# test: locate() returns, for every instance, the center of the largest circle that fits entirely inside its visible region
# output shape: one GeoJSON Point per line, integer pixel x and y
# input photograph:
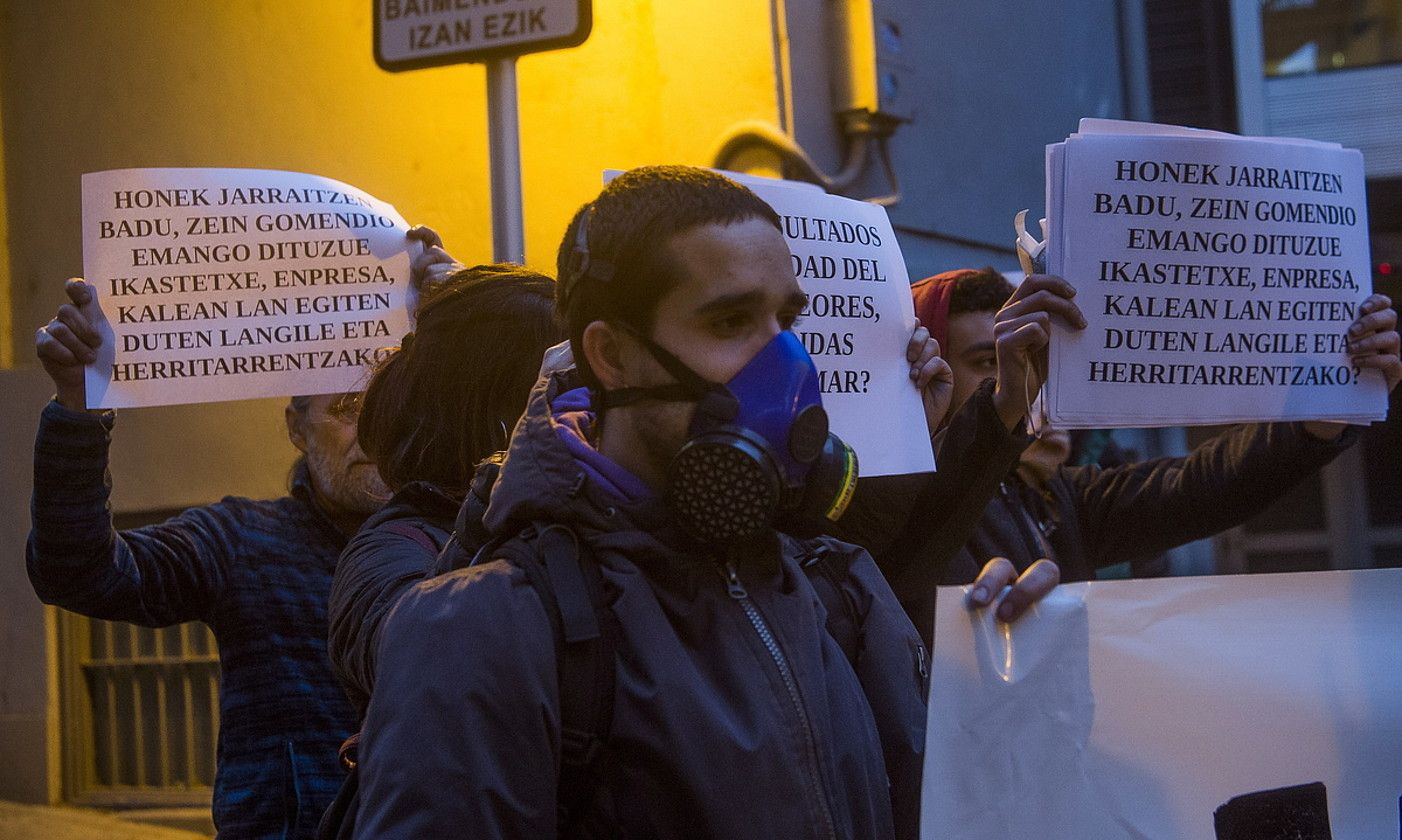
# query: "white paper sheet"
{"type": "Point", "coordinates": [1244, 324]}
{"type": "Point", "coordinates": [1134, 709]}
{"type": "Point", "coordinates": [224, 284]}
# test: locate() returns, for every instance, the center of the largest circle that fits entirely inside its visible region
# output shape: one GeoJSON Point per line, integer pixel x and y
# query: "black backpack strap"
{"type": "Point", "coordinates": [827, 571]}
{"type": "Point", "coordinates": [570, 586]}
{"type": "Point", "coordinates": [586, 665]}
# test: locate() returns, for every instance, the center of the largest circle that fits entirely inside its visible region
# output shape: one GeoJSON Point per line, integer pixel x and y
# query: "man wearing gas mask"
{"type": "Point", "coordinates": [681, 472]}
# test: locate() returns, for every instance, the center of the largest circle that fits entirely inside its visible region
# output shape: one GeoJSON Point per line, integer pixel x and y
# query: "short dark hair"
{"type": "Point", "coordinates": [984, 290]}
{"type": "Point", "coordinates": [613, 263]}
{"type": "Point", "coordinates": [449, 396]}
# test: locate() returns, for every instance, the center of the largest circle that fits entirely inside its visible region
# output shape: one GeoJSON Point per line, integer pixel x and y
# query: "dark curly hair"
{"type": "Point", "coordinates": [449, 396]}
{"type": "Point", "coordinates": [984, 290]}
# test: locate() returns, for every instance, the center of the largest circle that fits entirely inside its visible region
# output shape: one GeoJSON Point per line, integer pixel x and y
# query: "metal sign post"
{"type": "Point", "coordinates": [504, 148]}
{"type": "Point", "coordinates": [410, 34]}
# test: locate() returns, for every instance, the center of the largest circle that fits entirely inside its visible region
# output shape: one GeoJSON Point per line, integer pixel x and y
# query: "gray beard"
{"type": "Point", "coordinates": [360, 490]}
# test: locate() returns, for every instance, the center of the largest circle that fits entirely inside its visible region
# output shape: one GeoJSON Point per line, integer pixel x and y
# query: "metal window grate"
{"type": "Point", "coordinates": [155, 698]}
{"type": "Point", "coordinates": [143, 712]}
{"type": "Point", "coordinates": [140, 710]}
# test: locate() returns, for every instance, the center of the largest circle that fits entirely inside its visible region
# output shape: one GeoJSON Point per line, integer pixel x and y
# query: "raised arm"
{"type": "Point", "coordinates": [155, 576]}
{"type": "Point", "coordinates": [1142, 509]}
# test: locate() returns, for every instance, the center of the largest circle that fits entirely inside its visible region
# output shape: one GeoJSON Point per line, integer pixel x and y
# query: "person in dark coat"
{"type": "Point", "coordinates": [434, 408]}
{"type": "Point", "coordinates": [734, 713]}
{"type": "Point", "coordinates": [1084, 518]}
{"type": "Point", "coordinates": [257, 572]}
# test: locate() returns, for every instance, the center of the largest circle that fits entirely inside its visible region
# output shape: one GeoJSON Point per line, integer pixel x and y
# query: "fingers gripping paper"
{"type": "Point", "coordinates": [1136, 709]}
{"type": "Point", "coordinates": [222, 284]}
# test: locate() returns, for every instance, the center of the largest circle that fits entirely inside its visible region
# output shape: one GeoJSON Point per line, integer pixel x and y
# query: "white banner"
{"type": "Point", "coordinates": [1218, 275]}
{"type": "Point", "coordinates": [1137, 709]}
{"type": "Point", "coordinates": [224, 284]}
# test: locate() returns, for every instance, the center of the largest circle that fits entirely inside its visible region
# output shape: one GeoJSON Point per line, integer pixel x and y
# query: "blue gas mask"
{"type": "Point", "coordinates": [758, 453]}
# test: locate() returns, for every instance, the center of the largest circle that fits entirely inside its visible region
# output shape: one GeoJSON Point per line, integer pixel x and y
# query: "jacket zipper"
{"type": "Point", "coordinates": [816, 787]}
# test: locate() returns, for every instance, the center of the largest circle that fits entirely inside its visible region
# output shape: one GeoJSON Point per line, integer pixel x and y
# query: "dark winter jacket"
{"type": "Point", "coordinates": [1091, 517]}
{"type": "Point", "coordinates": [257, 572]}
{"type": "Point", "coordinates": [735, 713]}
{"type": "Point", "coordinates": [394, 549]}
{"type": "Point", "coordinates": [917, 525]}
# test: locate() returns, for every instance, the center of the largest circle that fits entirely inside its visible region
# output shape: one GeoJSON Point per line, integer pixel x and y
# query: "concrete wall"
{"type": "Point", "coordinates": [28, 696]}
{"type": "Point", "coordinates": [6, 324]}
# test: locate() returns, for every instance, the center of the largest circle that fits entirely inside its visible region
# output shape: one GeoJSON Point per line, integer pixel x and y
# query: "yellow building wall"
{"type": "Point", "coordinates": [88, 85]}
{"type": "Point", "coordinates": [91, 85]}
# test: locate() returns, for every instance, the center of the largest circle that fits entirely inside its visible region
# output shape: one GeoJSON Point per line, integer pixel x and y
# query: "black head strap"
{"type": "Point", "coordinates": [689, 387]}
{"type": "Point", "coordinates": [583, 265]}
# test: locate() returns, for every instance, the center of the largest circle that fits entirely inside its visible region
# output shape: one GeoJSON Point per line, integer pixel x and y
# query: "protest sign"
{"type": "Point", "coordinates": [858, 322]}
{"type": "Point", "coordinates": [224, 284]}
{"type": "Point", "coordinates": [1137, 709]}
{"type": "Point", "coordinates": [1218, 275]}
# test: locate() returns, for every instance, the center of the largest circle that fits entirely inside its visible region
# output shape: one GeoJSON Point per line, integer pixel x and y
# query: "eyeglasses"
{"type": "Point", "coordinates": [344, 409]}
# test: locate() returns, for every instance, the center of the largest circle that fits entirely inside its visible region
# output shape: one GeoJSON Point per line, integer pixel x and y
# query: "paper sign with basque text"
{"type": "Point", "coordinates": [1138, 710]}
{"type": "Point", "coordinates": [1219, 276]}
{"type": "Point", "coordinates": [225, 284]}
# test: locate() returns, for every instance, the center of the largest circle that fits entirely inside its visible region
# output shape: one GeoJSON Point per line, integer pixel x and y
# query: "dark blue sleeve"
{"type": "Point", "coordinates": [463, 731]}
{"type": "Point", "coordinates": [377, 566]}
{"type": "Point", "coordinates": [155, 576]}
{"type": "Point", "coordinates": [1141, 509]}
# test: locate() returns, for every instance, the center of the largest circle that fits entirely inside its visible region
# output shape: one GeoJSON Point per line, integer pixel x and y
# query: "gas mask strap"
{"type": "Point", "coordinates": [689, 387]}
{"type": "Point", "coordinates": [676, 392]}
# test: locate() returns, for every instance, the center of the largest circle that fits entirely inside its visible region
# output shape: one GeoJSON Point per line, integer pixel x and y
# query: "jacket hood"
{"type": "Point", "coordinates": [551, 473]}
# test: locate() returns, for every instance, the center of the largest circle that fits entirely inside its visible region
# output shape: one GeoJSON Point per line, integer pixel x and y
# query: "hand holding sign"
{"type": "Point", "coordinates": [933, 377]}
{"type": "Point", "coordinates": [1373, 341]}
{"type": "Point", "coordinates": [67, 344]}
{"type": "Point", "coordinates": [430, 266]}
{"type": "Point", "coordinates": [1022, 330]}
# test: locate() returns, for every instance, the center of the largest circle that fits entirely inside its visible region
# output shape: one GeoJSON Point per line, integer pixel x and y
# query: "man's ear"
{"type": "Point", "coordinates": [606, 352]}
{"type": "Point", "coordinates": [295, 433]}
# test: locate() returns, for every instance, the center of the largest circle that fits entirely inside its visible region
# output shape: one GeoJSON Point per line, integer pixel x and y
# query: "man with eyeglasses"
{"type": "Point", "coordinates": [257, 572]}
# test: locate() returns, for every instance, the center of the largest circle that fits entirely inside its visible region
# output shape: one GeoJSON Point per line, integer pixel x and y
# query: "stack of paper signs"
{"type": "Point", "coordinates": [1218, 274]}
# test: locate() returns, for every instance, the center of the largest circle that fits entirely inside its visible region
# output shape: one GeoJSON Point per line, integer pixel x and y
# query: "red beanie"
{"type": "Point", "coordinates": [932, 297]}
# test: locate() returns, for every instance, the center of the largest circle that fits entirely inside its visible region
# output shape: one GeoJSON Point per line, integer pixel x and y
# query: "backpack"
{"type": "Point", "coordinates": [559, 567]}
